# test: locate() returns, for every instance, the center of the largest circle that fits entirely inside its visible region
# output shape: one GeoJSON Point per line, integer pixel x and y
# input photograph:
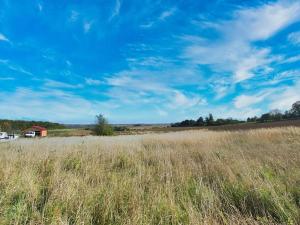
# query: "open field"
{"type": "Point", "coordinates": [189, 177]}
{"type": "Point", "coordinates": [71, 132]}
{"type": "Point", "coordinates": [131, 129]}
{"type": "Point", "coordinates": [233, 127]}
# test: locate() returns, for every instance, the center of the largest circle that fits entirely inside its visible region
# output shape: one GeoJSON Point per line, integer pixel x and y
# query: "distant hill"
{"type": "Point", "coordinates": [18, 125]}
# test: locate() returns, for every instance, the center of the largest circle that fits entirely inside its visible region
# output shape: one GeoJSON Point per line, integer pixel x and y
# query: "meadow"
{"type": "Point", "coordinates": [187, 177]}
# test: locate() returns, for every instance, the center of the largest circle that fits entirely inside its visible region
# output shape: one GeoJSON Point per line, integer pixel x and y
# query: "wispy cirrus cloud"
{"type": "Point", "coordinates": [15, 67]}
{"type": "Point", "coordinates": [40, 7]}
{"type": "Point", "coordinates": [6, 78]}
{"type": "Point", "coordinates": [59, 84]}
{"type": "Point", "coordinates": [244, 101]}
{"type": "Point", "coordinates": [161, 18]}
{"type": "Point", "coordinates": [74, 15]}
{"type": "Point", "coordinates": [291, 59]}
{"type": "Point", "coordinates": [232, 60]}
{"type": "Point", "coordinates": [294, 38]}
{"type": "Point", "coordinates": [116, 10]}
{"type": "Point", "coordinates": [180, 100]}
{"type": "Point", "coordinates": [87, 25]}
{"type": "Point", "coordinates": [4, 38]}
{"type": "Point", "coordinates": [235, 51]}
{"type": "Point", "coordinates": [30, 104]}
{"type": "Point", "coordinates": [283, 97]}
{"type": "Point", "coordinates": [90, 81]}
{"type": "Point", "coordinates": [164, 15]}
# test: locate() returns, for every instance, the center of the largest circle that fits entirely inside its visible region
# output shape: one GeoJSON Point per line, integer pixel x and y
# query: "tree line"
{"type": "Point", "coordinates": [277, 115]}
{"type": "Point", "coordinates": [274, 115]}
{"type": "Point", "coordinates": [19, 125]}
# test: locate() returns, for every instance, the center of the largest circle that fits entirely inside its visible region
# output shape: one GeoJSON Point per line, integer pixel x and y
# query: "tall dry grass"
{"type": "Point", "coordinates": [195, 177]}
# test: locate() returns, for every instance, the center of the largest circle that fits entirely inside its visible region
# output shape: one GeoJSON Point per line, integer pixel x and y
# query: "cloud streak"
{"type": "Point", "coordinates": [4, 38]}
{"type": "Point", "coordinates": [116, 10]}
{"type": "Point", "coordinates": [234, 51]}
{"type": "Point", "coordinates": [294, 38]}
{"type": "Point", "coordinates": [161, 18]}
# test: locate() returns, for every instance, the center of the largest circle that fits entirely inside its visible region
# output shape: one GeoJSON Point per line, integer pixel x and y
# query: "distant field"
{"type": "Point", "coordinates": [242, 126]}
{"type": "Point", "coordinates": [164, 128]}
{"type": "Point", "coordinates": [69, 132]}
{"type": "Point", "coordinates": [188, 177]}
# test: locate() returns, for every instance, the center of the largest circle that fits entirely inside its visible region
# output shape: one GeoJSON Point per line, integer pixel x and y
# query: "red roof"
{"type": "Point", "coordinates": [38, 128]}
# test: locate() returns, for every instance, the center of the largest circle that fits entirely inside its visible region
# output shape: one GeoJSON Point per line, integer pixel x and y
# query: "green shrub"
{"type": "Point", "coordinates": [102, 128]}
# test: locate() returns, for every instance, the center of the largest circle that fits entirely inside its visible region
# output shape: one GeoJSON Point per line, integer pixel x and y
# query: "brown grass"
{"type": "Point", "coordinates": [190, 177]}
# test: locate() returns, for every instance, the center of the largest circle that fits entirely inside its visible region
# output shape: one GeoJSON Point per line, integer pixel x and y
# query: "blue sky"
{"type": "Point", "coordinates": [148, 61]}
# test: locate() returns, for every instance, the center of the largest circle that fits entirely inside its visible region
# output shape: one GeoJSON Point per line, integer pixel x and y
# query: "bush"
{"type": "Point", "coordinates": [102, 127]}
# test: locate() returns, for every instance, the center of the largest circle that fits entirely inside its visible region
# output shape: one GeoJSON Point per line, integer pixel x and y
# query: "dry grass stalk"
{"type": "Point", "coordinates": [192, 177]}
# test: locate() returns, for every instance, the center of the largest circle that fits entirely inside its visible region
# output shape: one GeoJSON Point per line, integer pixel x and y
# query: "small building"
{"type": "Point", "coordinates": [36, 131]}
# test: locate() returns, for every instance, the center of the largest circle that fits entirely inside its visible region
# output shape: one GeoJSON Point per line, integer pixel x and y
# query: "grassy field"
{"type": "Point", "coordinates": [188, 177]}
{"type": "Point", "coordinates": [232, 127]}
{"type": "Point", "coordinates": [164, 128]}
{"type": "Point", "coordinates": [71, 132]}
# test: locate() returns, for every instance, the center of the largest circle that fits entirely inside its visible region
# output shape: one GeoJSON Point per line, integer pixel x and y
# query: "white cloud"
{"type": "Point", "coordinates": [167, 14]}
{"type": "Point", "coordinates": [87, 26]}
{"type": "Point", "coordinates": [15, 67]}
{"type": "Point", "coordinates": [147, 25]}
{"type": "Point", "coordinates": [235, 52]}
{"type": "Point", "coordinates": [294, 38]}
{"type": "Point", "coordinates": [150, 87]}
{"type": "Point", "coordinates": [50, 104]}
{"type": "Point", "coordinates": [40, 7]}
{"type": "Point", "coordinates": [244, 70]}
{"type": "Point", "coordinates": [285, 97]}
{"type": "Point", "coordinates": [292, 59]}
{"type": "Point", "coordinates": [116, 10]}
{"type": "Point", "coordinates": [281, 97]}
{"type": "Point", "coordinates": [242, 113]}
{"type": "Point", "coordinates": [68, 63]}
{"type": "Point", "coordinates": [3, 38]}
{"type": "Point", "coordinates": [90, 81]}
{"type": "Point", "coordinates": [74, 16]}
{"type": "Point", "coordinates": [161, 112]}
{"type": "Point", "coordinates": [129, 80]}
{"type": "Point", "coordinates": [221, 87]}
{"type": "Point", "coordinates": [162, 17]}
{"type": "Point", "coordinates": [58, 84]}
{"type": "Point", "coordinates": [244, 101]}
{"type": "Point", "coordinates": [7, 78]}
{"type": "Point", "coordinates": [285, 75]}
{"type": "Point", "coordinates": [180, 100]}
{"type": "Point", "coordinates": [262, 22]}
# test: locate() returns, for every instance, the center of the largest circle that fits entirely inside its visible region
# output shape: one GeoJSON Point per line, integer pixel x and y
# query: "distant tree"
{"type": "Point", "coordinates": [265, 117]}
{"type": "Point", "coordinates": [275, 115]}
{"type": "Point", "coordinates": [185, 123]}
{"type": "Point", "coordinates": [19, 125]}
{"type": "Point", "coordinates": [253, 119]}
{"type": "Point", "coordinates": [200, 121]}
{"type": "Point", "coordinates": [6, 126]}
{"type": "Point", "coordinates": [209, 120]}
{"type": "Point", "coordinates": [102, 127]}
{"type": "Point", "coordinates": [295, 111]}
{"type": "Point", "coordinates": [286, 114]}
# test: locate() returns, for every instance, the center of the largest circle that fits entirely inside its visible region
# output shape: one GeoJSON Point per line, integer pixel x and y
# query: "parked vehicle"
{"type": "Point", "coordinates": [30, 134]}
{"type": "Point", "coordinates": [3, 135]}
{"type": "Point", "coordinates": [12, 136]}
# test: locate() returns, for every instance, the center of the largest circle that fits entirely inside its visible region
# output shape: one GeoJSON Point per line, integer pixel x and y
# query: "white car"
{"type": "Point", "coordinates": [3, 135]}
{"type": "Point", "coordinates": [30, 134]}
